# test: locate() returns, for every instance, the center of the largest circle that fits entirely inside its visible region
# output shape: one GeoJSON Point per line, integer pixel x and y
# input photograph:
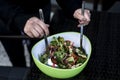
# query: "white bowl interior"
{"type": "Point", "coordinates": [39, 47]}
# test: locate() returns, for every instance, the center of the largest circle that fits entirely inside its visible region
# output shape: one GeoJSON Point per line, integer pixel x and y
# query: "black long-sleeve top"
{"type": "Point", "coordinates": [15, 13]}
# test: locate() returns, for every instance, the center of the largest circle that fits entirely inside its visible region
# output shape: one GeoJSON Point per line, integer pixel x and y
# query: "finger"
{"type": "Point", "coordinates": [42, 25]}
{"type": "Point", "coordinates": [43, 30]}
{"type": "Point", "coordinates": [34, 29]}
{"type": "Point", "coordinates": [78, 15]}
{"type": "Point", "coordinates": [47, 25]}
{"type": "Point", "coordinates": [35, 33]}
{"type": "Point", "coordinates": [79, 25]}
{"type": "Point", "coordinates": [30, 34]}
{"type": "Point", "coordinates": [39, 30]}
{"type": "Point", "coordinates": [87, 15]}
{"type": "Point", "coordinates": [82, 22]}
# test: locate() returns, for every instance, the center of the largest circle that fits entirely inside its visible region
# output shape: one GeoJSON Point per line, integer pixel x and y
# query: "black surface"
{"type": "Point", "coordinates": [104, 63]}
{"type": "Point", "coordinates": [13, 73]}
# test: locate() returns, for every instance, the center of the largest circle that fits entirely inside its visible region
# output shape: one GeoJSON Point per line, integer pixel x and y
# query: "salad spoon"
{"type": "Point", "coordinates": [81, 28]}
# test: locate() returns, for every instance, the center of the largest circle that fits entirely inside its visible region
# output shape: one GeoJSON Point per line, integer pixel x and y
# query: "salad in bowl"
{"type": "Point", "coordinates": [64, 58]}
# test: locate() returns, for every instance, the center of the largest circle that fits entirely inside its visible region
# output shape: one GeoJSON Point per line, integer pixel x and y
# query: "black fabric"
{"type": "Point", "coordinates": [104, 64]}
{"type": "Point", "coordinates": [13, 47]}
{"type": "Point", "coordinates": [3, 29]}
{"type": "Point", "coordinates": [16, 12]}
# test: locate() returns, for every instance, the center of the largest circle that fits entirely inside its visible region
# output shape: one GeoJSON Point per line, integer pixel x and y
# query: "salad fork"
{"type": "Point", "coordinates": [81, 26]}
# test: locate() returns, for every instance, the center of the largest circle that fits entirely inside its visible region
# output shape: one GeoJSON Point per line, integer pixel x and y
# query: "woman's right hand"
{"type": "Point", "coordinates": [35, 28]}
{"type": "Point", "coordinates": [82, 19]}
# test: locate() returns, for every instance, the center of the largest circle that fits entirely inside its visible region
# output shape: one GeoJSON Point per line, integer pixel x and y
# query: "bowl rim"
{"type": "Point", "coordinates": [61, 68]}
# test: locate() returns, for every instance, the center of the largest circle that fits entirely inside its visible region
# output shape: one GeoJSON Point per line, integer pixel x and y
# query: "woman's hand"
{"type": "Point", "coordinates": [35, 28]}
{"type": "Point", "coordinates": [82, 19]}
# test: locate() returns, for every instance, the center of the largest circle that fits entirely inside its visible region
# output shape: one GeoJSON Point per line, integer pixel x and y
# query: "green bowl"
{"type": "Point", "coordinates": [39, 48]}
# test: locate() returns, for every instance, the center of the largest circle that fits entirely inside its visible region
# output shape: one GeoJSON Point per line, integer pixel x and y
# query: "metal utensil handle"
{"type": "Point", "coordinates": [42, 18]}
{"type": "Point", "coordinates": [83, 7]}
{"type": "Point", "coordinates": [41, 15]}
{"type": "Point", "coordinates": [81, 27]}
{"type": "Point", "coordinates": [81, 35]}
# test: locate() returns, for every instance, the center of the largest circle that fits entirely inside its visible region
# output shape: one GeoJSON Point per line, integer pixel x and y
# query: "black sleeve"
{"type": "Point", "coordinates": [69, 6]}
{"type": "Point", "coordinates": [12, 14]}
